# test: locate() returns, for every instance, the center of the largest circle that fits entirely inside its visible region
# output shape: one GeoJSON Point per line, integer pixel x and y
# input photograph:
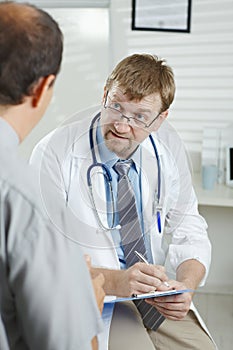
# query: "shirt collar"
{"type": "Point", "coordinates": [110, 158]}
{"type": "Point", "coordinates": [8, 136]}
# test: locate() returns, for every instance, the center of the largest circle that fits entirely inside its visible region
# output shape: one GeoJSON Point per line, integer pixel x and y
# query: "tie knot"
{"type": "Point", "coordinates": [122, 167]}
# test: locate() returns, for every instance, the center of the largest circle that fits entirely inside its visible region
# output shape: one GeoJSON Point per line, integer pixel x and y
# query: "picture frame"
{"type": "Point", "coordinates": [161, 15]}
{"type": "Point", "coordinates": [229, 165]}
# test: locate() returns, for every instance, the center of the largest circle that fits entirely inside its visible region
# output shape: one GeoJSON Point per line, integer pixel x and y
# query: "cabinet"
{"type": "Point", "coordinates": [216, 206]}
{"type": "Point", "coordinates": [220, 196]}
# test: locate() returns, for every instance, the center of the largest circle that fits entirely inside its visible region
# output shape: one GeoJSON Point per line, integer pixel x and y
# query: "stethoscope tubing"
{"type": "Point", "coordinates": [108, 176]}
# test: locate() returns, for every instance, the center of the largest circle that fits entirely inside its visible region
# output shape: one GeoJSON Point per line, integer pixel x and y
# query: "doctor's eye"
{"type": "Point", "coordinates": [140, 118]}
{"type": "Point", "coordinates": [116, 106]}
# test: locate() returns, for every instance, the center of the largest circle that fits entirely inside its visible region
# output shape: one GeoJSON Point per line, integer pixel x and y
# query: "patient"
{"type": "Point", "coordinates": [43, 305]}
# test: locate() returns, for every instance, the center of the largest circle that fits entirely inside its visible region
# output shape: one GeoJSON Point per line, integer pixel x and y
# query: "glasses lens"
{"type": "Point", "coordinates": [115, 114]}
{"type": "Point", "coordinates": [114, 110]}
{"type": "Point", "coordinates": [137, 122]}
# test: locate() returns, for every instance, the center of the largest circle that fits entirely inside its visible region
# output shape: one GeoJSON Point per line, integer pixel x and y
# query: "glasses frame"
{"type": "Point", "coordinates": [121, 115]}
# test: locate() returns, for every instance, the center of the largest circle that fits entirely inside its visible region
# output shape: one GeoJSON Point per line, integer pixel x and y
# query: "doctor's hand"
{"type": "Point", "coordinates": [142, 278]}
{"type": "Point", "coordinates": [173, 307]}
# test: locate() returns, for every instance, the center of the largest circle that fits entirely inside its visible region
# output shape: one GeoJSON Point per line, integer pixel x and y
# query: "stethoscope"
{"type": "Point", "coordinates": [108, 177]}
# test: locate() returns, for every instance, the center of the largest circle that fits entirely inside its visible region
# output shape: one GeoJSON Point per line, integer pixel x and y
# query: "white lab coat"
{"type": "Point", "coordinates": [65, 156]}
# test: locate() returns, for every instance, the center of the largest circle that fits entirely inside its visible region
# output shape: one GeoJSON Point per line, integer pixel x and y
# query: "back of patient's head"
{"type": "Point", "coordinates": [31, 45]}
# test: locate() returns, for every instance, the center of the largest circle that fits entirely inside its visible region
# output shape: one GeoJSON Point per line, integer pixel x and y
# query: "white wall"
{"type": "Point", "coordinates": [202, 61]}
{"type": "Point", "coordinates": [84, 68]}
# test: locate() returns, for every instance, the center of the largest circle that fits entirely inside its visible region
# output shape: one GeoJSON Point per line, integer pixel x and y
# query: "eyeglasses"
{"type": "Point", "coordinates": [114, 108]}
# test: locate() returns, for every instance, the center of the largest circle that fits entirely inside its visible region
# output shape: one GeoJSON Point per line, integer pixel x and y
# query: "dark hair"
{"type": "Point", "coordinates": [31, 46]}
{"type": "Point", "coordinates": [140, 75]}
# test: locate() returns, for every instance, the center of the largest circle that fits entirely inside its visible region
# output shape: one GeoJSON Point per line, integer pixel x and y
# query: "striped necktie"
{"type": "Point", "coordinates": [131, 236]}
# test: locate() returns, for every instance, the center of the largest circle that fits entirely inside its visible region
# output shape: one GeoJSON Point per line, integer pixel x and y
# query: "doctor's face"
{"type": "Point", "coordinates": [127, 123]}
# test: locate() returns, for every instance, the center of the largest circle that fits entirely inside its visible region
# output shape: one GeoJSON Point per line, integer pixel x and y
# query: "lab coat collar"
{"type": "Point", "coordinates": [79, 134]}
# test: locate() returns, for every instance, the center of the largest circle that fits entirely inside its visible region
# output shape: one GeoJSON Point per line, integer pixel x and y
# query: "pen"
{"type": "Point", "coordinates": [143, 259]}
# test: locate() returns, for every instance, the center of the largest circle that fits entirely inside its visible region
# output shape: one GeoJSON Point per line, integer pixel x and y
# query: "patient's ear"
{"type": "Point", "coordinates": [41, 88]}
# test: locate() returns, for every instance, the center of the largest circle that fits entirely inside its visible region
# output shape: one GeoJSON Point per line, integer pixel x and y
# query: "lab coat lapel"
{"type": "Point", "coordinates": [149, 180]}
{"type": "Point", "coordinates": [97, 181]}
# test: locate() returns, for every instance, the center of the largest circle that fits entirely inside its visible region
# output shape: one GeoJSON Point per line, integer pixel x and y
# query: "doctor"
{"type": "Point", "coordinates": [80, 157]}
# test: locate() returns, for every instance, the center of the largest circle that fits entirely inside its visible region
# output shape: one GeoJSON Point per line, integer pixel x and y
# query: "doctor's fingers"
{"type": "Point", "coordinates": [173, 303]}
{"type": "Point", "coordinates": [143, 280]}
{"type": "Point", "coordinates": [174, 315]}
{"type": "Point", "coordinates": [156, 271]}
{"type": "Point", "coordinates": [176, 310]}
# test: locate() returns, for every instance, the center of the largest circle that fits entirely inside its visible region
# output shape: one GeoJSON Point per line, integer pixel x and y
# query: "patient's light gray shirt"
{"type": "Point", "coordinates": [46, 296]}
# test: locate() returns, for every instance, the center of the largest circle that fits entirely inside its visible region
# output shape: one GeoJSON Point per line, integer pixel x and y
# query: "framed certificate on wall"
{"type": "Point", "coordinates": [229, 165]}
{"type": "Point", "coordinates": [161, 15]}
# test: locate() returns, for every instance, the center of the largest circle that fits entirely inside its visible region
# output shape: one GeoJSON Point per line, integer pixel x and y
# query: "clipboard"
{"type": "Point", "coordinates": [155, 294]}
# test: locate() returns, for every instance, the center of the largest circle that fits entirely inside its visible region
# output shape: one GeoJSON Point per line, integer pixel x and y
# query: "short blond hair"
{"type": "Point", "coordinates": [140, 75]}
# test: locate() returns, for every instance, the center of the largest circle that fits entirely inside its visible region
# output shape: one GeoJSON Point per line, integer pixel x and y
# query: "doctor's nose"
{"type": "Point", "coordinates": [122, 126]}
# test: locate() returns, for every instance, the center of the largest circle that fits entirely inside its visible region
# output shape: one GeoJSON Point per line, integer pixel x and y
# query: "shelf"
{"type": "Point", "coordinates": [221, 195]}
{"type": "Point", "coordinates": [216, 289]}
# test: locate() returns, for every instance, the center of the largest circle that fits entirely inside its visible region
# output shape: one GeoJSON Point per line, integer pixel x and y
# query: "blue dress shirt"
{"type": "Point", "coordinates": [109, 158]}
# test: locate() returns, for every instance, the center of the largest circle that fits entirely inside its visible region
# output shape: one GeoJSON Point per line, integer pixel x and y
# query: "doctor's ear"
{"type": "Point", "coordinates": [164, 114]}
{"type": "Point", "coordinates": [159, 122]}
